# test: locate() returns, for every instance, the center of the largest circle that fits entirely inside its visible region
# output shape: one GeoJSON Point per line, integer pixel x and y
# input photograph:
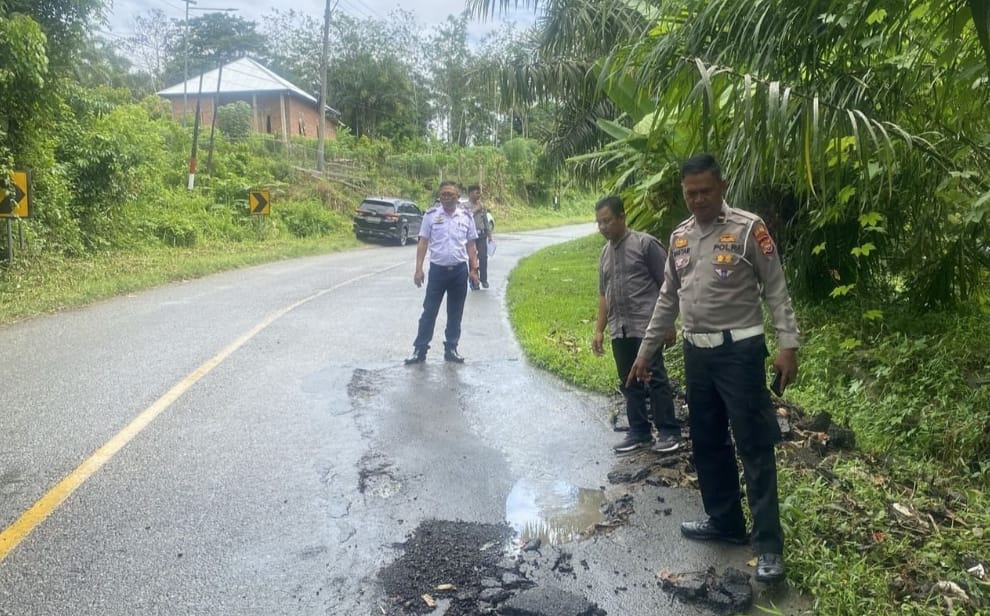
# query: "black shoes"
{"type": "Point", "coordinates": [484, 284]}
{"type": "Point", "coordinates": [632, 442]}
{"type": "Point", "coordinates": [451, 355]}
{"type": "Point", "coordinates": [667, 444]}
{"type": "Point", "coordinates": [704, 530]}
{"type": "Point", "coordinates": [418, 357]}
{"type": "Point", "coordinates": [769, 568]}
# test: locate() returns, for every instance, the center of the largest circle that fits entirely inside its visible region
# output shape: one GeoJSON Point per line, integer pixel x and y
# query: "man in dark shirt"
{"type": "Point", "coordinates": [630, 273]}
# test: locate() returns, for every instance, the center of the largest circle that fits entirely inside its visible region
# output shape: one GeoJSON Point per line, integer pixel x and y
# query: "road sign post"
{"type": "Point", "coordinates": [14, 203]}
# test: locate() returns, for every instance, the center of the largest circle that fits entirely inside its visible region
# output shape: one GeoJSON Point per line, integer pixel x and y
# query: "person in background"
{"type": "Point", "coordinates": [480, 213]}
{"type": "Point", "coordinates": [722, 261]}
{"type": "Point", "coordinates": [448, 234]}
{"type": "Point", "coordinates": [630, 272]}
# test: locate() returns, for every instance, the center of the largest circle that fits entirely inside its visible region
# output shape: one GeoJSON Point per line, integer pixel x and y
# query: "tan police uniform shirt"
{"type": "Point", "coordinates": [714, 279]}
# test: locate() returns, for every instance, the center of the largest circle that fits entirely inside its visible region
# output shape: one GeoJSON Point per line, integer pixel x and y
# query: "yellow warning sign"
{"type": "Point", "coordinates": [16, 202]}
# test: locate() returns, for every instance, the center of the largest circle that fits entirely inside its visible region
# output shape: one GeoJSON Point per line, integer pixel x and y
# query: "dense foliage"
{"type": "Point", "coordinates": [858, 129]}
{"type": "Point", "coordinates": [108, 171]}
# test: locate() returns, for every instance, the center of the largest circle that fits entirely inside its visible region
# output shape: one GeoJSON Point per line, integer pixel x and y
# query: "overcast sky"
{"type": "Point", "coordinates": [427, 12]}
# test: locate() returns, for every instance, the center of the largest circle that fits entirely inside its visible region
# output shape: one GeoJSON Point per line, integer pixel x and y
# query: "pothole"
{"type": "Point", "coordinates": [553, 511]}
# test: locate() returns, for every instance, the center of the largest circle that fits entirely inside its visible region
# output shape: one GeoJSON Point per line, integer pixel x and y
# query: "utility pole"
{"type": "Point", "coordinates": [321, 127]}
{"type": "Point", "coordinates": [213, 122]}
{"type": "Point", "coordinates": [185, 55]}
{"type": "Point", "coordinates": [185, 51]}
{"type": "Point", "coordinates": [195, 138]}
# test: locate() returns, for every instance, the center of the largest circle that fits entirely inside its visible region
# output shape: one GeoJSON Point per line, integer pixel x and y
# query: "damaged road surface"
{"type": "Point", "coordinates": [262, 449]}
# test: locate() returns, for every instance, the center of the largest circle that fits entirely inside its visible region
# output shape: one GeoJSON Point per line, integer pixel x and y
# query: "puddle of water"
{"type": "Point", "coordinates": [553, 510]}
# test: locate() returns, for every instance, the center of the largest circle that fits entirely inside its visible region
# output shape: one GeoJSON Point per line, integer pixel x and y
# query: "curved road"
{"type": "Point", "coordinates": [251, 443]}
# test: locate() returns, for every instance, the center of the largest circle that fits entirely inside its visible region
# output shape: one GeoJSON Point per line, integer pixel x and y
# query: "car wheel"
{"type": "Point", "coordinates": [403, 235]}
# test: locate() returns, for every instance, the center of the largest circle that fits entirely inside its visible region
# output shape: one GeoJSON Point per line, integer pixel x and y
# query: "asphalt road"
{"type": "Point", "coordinates": [251, 443]}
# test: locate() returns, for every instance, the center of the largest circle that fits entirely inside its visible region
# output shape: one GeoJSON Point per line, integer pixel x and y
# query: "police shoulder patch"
{"type": "Point", "coordinates": [762, 236]}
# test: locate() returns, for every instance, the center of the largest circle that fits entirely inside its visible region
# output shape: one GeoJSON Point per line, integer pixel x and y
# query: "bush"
{"type": "Point", "coordinates": [234, 120]}
{"type": "Point", "coordinates": [306, 218]}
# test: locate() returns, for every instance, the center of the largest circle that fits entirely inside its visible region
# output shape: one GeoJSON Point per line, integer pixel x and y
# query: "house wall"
{"type": "Point", "coordinates": [301, 116]}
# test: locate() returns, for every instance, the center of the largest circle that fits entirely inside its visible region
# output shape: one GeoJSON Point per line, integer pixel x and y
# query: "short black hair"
{"type": "Point", "coordinates": [473, 187]}
{"type": "Point", "coordinates": [701, 163]}
{"type": "Point", "coordinates": [614, 203]}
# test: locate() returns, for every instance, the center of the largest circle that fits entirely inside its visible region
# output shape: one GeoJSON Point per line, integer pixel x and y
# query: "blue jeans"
{"type": "Point", "coordinates": [452, 281]}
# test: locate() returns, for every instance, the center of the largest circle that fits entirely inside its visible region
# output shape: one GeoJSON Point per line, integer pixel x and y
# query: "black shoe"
{"type": "Point", "coordinates": [418, 357]}
{"type": "Point", "coordinates": [668, 444]}
{"type": "Point", "coordinates": [704, 530]}
{"type": "Point", "coordinates": [632, 442]}
{"type": "Point", "coordinates": [451, 355]}
{"type": "Point", "coordinates": [474, 287]}
{"type": "Point", "coordinates": [769, 568]}
{"type": "Point", "coordinates": [484, 284]}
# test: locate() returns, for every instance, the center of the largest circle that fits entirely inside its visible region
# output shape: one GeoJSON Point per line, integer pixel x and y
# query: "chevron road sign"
{"type": "Point", "coordinates": [15, 204]}
{"type": "Point", "coordinates": [260, 202]}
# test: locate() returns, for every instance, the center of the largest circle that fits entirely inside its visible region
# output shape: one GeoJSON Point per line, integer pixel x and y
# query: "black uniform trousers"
{"type": "Point", "coordinates": [657, 391]}
{"type": "Point", "coordinates": [482, 244]}
{"type": "Point", "coordinates": [726, 386]}
{"type": "Point", "coordinates": [452, 281]}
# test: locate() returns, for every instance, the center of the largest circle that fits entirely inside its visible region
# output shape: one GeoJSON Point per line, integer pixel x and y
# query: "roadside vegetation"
{"type": "Point", "coordinates": [856, 128]}
{"type": "Point", "coordinates": [896, 522]}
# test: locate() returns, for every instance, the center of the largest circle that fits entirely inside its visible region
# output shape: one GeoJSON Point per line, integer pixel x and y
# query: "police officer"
{"type": "Point", "coordinates": [448, 233]}
{"type": "Point", "coordinates": [720, 261]}
{"type": "Point", "coordinates": [480, 213]}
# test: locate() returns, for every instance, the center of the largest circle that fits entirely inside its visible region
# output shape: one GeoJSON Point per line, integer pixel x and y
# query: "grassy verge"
{"type": "Point", "coordinates": [897, 524]}
{"type": "Point", "coordinates": [37, 283]}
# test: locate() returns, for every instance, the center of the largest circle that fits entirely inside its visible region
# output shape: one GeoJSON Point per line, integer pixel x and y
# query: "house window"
{"type": "Point", "coordinates": [268, 124]}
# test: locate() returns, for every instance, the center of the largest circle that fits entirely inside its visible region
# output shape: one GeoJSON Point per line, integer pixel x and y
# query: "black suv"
{"type": "Point", "coordinates": [387, 218]}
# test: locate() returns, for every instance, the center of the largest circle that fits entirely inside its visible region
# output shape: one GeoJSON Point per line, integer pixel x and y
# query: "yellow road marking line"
{"type": "Point", "coordinates": [12, 536]}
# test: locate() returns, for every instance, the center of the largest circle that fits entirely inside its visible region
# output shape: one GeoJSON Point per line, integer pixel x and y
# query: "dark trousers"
{"type": "Point", "coordinates": [657, 391]}
{"type": "Point", "coordinates": [726, 386]}
{"type": "Point", "coordinates": [452, 281]}
{"type": "Point", "coordinates": [482, 243]}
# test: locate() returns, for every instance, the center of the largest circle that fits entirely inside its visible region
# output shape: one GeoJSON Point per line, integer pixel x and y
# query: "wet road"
{"type": "Point", "coordinates": [251, 443]}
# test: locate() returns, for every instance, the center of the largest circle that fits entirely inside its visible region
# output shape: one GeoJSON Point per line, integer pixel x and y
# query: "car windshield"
{"type": "Point", "coordinates": [378, 207]}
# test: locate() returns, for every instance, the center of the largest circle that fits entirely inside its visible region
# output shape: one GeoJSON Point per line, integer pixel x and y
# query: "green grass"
{"type": "Point", "coordinates": [923, 436]}
{"type": "Point", "coordinates": [37, 283]}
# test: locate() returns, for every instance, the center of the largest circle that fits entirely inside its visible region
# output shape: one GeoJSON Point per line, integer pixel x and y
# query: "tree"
{"type": "Point", "coordinates": [214, 38]}
{"type": "Point", "coordinates": [849, 124]}
{"type": "Point", "coordinates": [65, 24]}
{"type": "Point", "coordinates": [292, 46]}
{"type": "Point", "coordinates": [449, 59]}
{"type": "Point", "coordinates": [556, 66]}
{"type": "Point", "coordinates": [154, 45]}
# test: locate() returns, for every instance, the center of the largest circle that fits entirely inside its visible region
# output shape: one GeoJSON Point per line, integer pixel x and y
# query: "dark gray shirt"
{"type": "Point", "coordinates": [630, 272]}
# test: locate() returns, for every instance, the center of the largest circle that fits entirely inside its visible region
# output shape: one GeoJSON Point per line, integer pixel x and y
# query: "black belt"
{"type": "Point", "coordinates": [449, 268]}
